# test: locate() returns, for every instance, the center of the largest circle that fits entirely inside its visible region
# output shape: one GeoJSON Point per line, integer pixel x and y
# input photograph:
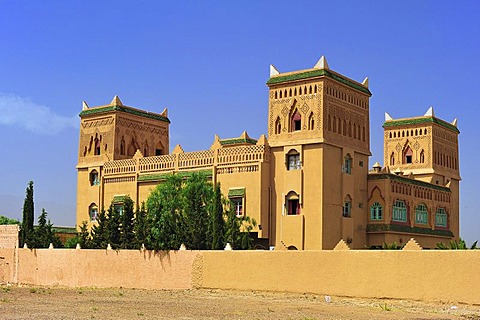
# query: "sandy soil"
{"type": "Point", "coordinates": [95, 303]}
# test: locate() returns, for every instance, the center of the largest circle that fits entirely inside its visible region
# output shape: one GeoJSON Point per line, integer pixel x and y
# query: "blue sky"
{"type": "Point", "coordinates": [208, 63]}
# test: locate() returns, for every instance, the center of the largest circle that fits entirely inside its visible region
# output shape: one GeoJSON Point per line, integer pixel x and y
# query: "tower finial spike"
{"type": "Point", "coordinates": [116, 101]}
{"type": "Point", "coordinates": [84, 105]}
{"type": "Point", "coordinates": [454, 122]}
{"type": "Point", "coordinates": [273, 71]}
{"type": "Point", "coordinates": [322, 63]}
{"type": "Point", "coordinates": [365, 82]}
{"type": "Point", "coordinates": [429, 112]}
{"type": "Point", "coordinates": [388, 117]}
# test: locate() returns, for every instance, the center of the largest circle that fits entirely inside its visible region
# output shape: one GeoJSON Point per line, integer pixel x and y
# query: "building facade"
{"type": "Point", "coordinates": [308, 185]}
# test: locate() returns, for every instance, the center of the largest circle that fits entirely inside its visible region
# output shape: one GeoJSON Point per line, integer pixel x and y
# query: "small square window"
{"type": "Point", "coordinates": [293, 162]}
{"type": "Point", "coordinates": [360, 163]}
{"type": "Point", "coordinates": [237, 204]}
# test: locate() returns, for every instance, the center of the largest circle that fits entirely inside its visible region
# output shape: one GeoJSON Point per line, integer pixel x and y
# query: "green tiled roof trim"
{"type": "Point", "coordinates": [136, 112]}
{"type": "Point", "coordinates": [237, 141]}
{"type": "Point", "coordinates": [406, 122]}
{"type": "Point", "coordinates": [237, 192]}
{"type": "Point", "coordinates": [163, 176]}
{"type": "Point", "coordinates": [391, 176]}
{"type": "Point", "coordinates": [317, 73]}
{"type": "Point", "coordinates": [119, 199]}
{"type": "Point", "coordinates": [64, 230]}
{"type": "Point", "coordinates": [407, 229]}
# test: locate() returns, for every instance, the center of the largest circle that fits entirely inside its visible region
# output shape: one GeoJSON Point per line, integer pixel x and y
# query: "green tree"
{"type": "Point", "coordinates": [126, 225]}
{"type": "Point", "coordinates": [141, 227]}
{"type": "Point", "coordinates": [197, 194]}
{"type": "Point", "coordinates": [456, 245]}
{"type": "Point", "coordinates": [113, 226]}
{"type": "Point", "coordinates": [164, 208]}
{"type": "Point", "coordinates": [26, 231]}
{"type": "Point", "coordinates": [6, 220]}
{"type": "Point", "coordinates": [99, 232]}
{"type": "Point", "coordinates": [83, 238]}
{"type": "Point", "coordinates": [217, 221]}
{"type": "Point", "coordinates": [238, 230]}
{"type": "Point", "coordinates": [43, 234]}
{"type": "Point", "coordinates": [391, 246]}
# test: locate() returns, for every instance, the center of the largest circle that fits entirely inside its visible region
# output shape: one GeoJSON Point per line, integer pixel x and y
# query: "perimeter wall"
{"type": "Point", "coordinates": [440, 275]}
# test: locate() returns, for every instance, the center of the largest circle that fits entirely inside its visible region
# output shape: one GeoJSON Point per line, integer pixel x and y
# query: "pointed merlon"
{"type": "Point", "coordinates": [429, 113]}
{"type": "Point", "coordinates": [178, 149]}
{"type": "Point", "coordinates": [322, 63]}
{"type": "Point", "coordinates": [388, 117]}
{"type": "Point", "coordinates": [84, 105]}
{"type": "Point", "coordinates": [365, 82]}
{"type": "Point", "coordinates": [454, 122]}
{"type": "Point", "coordinates": [412, 244]}
{"type": "Point", "coordinates": [244, 135]}
{"type": "Point", "coordinates": [273, 71]}
{"type": "Point", "coordinates": [341, 245]}
{"type": "Point", "coordinates": [116, 101]}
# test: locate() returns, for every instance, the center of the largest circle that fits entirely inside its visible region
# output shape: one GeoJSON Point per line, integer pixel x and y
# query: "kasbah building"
{"type": "Point", "coordinates": [307, 185]}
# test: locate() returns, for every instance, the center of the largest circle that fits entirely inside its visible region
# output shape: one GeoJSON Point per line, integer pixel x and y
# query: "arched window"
{"type": "Point", "coordinates": [392, 159]}
{"type": "Point", "coordinates": [93, 212]}
{"type": "Point", "coordinates": [399, 211]}
{"type": "Point", "coordinates": [94, 179]}
{"type": "Point", "coordinates": [296, 121]}
{"type": "Point", "coordinates": [329, 123]}
{"type": "Point", "coordinates": [278, 126]}
{"type": "Point", "coordinates": [334, 124]}
{"type": "Point", "coordinates": [122, 146]}
{"type": "Point", "coordinates": [421, 214]}
{"type": "Point", "coordinates": [97, 140]}
{"type": "Point", "coordinates": [422, 156]}
{"type": "Point", "coordinates": [131, 148]}
{"type": "Point", "coordinates": [441, 218]}
{"type": "Point", "coordinates": [145, 149]}
{"type": "Point", "coordinates": [292, 203]}
{"type": "Point", "coordinates": [347, 207]}
{"type": "Point", "coordinates": [407, 155]}
{"type": "Point", "coordinates": [347, 164]}
{"type": "Point", "coordinates": [293, 160]}
{"type": "Point", "coordinates": [311, 122]}
{"type": "Point", "coordinates": [349, 129]}
{"type": "Point", "coordinates": [376, 211]}
{"type": "Point", "coordinates": [363, 133]}
{"type": "Point", "coordinates": [344, 127]}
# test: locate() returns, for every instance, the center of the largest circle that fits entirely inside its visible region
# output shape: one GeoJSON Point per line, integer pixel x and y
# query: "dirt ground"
{"type": "Point", "coordinates": [94, 303]}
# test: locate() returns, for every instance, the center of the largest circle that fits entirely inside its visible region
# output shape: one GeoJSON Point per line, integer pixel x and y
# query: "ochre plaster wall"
{"type": "Point", "coordinates": [441, 275]}
{"type": "Point", "coordinates": [106, 268]}
{"type": "Point", "coordinates": [421, 275]}
{"type": "Point", "coordinates": [7, 265]}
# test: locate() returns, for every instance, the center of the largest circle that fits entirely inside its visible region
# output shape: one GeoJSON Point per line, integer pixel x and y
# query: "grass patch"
{"type": "Point", "coordinates": [385, 307]}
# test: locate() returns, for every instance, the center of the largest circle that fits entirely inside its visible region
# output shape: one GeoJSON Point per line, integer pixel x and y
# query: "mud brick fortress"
{"type": "Point", "coordinates": [308, 184]}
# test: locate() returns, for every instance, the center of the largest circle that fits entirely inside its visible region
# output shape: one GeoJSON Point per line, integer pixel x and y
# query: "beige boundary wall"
{"type": "Point", "coordinates": [448, 276]}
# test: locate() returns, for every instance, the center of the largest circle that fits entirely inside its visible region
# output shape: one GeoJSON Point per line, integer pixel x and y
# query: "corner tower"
{"type": "Point", "coordinates": [318, 131]}
{"type": "Point", "coordinates": [113, 132]}
{"type": "Point", "coordinates": [426, 147]}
